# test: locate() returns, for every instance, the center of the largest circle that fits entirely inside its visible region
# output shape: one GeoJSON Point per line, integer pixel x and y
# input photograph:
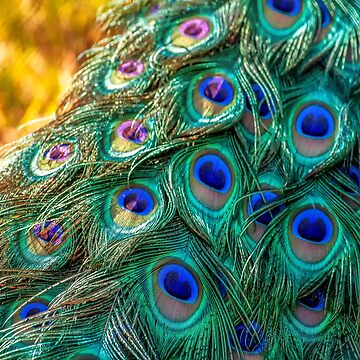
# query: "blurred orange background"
{"type": "Point", "coordinates": [39, 43]}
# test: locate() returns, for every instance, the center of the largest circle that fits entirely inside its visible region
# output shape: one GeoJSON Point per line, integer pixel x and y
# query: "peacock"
{"type": "Point", "coordinates": [197, 193]}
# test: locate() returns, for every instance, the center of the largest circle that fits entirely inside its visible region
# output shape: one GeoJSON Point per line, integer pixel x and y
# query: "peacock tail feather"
{"type": "Point", "coordinates": [197, 195]}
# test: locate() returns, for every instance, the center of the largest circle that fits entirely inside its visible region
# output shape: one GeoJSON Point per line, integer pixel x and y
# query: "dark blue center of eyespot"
{"type": "Point", "coordinates": [313, 225]}
{"type": "Point", "coordinates": [136, 200]}
{"type": "Point", "coordinates": [32, 309]}
{"type": "Point", "coordinates": [325, 14]}
{"type": "Point", "coordinates": [315, 121]}
{"type": "Point", "coordinates": [258, 201]}
{"type": "Point", "coordinates": [251, 339]}
{"type": "Point", "coordinates": [212, 171]}
{"type": "Point", "coordinates": [287, 7]}
{"type": "Point", "coordinates": [217, 89]}
{"type": "Point", "coordinates": [178, 282]}
{"type": "Point", "coordinates": [263, 109]}
{"type": "Point", "coordinates": [314, 301]}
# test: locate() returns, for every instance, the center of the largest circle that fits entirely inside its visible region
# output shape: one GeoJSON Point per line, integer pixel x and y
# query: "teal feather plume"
{"type": "Point", "coordinates": [197, 194]}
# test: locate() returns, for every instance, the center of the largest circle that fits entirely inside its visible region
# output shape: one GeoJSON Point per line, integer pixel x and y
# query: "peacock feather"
{"type": "Point", "coordinates": [197, 194]}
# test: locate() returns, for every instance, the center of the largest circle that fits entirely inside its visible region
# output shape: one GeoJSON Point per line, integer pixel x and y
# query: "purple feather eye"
{"type": "Point", "coordinates": [196, 28]}
{"type": "Point", "coordinates": [49, 233]}
{"type": "Point", "coordinates": [131, 68]}
{"type": "Point", "coordinates": [132, 131]}
{"type": "Point", "coordinates": [54, 156]}
{"type": "Point", "coordinates": [191, 32]}
{"type": "Point", "coordinates": [58, 153]}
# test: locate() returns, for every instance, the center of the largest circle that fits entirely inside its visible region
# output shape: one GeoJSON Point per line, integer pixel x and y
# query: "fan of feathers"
{"type": "Point", "coordinates": [197, 195]}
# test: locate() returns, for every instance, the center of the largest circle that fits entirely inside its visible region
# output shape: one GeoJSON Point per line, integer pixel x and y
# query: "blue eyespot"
{"type": "Point", "coordinates": [263, 109]}
{"type": "Point", "coordinates": [217, 89]}
{"type": "Point", "coordinates": [212, 171]}
{"type": "Point", "coordinates": [32, 309]}
{"type": "Point", "coordinates": [136, 200]}
{"type": "Point", "coordinates": [315, 121]}
{"type": "Point", "coordinates": [179, 283]}
{"type": "Point", "coordinates": [260, 200]}
{"type": "Point", "coordinates": [325, 14]}
{"type": "Point", "coordinates": [251, 339]}
{"type": "Point", "coordinates": [314, 301]}
{"type": "Point", "coordinates": [313, 225]}
{"type": "Point", "coordinates": [287, 7]}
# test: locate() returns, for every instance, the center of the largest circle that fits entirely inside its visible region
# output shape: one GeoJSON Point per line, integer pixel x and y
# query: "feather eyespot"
{"type": "Point", "coordinates": [251, 339]}
{"type": "Point", "coordinates": [211, 179]}
{"type": "Point", "coordinates": [127, 71]}
{"type": "Point", "coordinates": [176, 281]}
{"type": "Point", "coordinates": [315, 121]}
{"type": "Point", "coordinates": [213, 94]}
{"type": "Point", "coordinates": [314, 129]}
{"type": "Point", "coordinates": [312, 232]}
{"type": "Point", "coordinates": [280, 15]}
{"type": "Point", "coordinates": [133, 206]}
{"type": "Point", "coordinates": [313, 225]}
{"type": "Point", "coordinates": [29, 310]}
{"type": "Point", "coordinates": [128, 136]}
{"type": "Point", "coordinates": [132, 131]}
{"type": "Point", "coordinates": [46, 238]}
{"type": "Point", "coordinates": [310, 309]}
{"type": "Point", "coordinates": [32, 309]}
{"type": "Point", "coordinates": [55, 156]}
{"type": "Point", "coordinates": [177, 290]}
{"type": "Point", "coordinates": [191, 32]}
{"type": "Point", "coordinates": [212, 171]}
{"type": "Point", "coordinates": [136, 200]}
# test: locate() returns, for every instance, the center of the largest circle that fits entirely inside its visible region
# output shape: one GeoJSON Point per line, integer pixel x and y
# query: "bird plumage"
{"type": "Point", "coordinates": [196, 195]}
